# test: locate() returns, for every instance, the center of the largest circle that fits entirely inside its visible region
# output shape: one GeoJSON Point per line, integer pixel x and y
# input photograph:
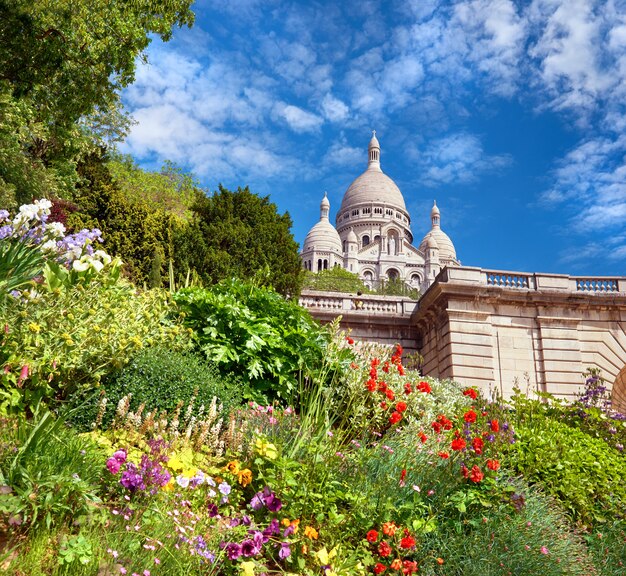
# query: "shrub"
{"type": "Point", "coordinates": [583, 473]}
{"type": "Point", "coordinates": [253, 333]}
{"type": "Point", "coordinates": [161, 379]}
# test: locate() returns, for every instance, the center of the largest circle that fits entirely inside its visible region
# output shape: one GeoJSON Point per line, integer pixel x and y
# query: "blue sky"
{"type": "Point", "coordinates": [511, 115]}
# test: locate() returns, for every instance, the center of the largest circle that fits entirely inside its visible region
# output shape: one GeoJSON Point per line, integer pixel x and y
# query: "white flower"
{"type": "Point", "coordinates": [96, 265]}
{"type": "Point", "coordinates": [49, 246]}
{"type": "Point", "coordinates": [80, 265]}
{"type": "Point", "coordinates": [104, 257]}
{"type": "Point", "coordinates": [182, 481]}
{"type": "Point", "coordinates": [55, 230]}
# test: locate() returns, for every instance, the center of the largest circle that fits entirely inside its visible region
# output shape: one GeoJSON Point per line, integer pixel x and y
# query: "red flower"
{"type": "Point", "coordinates": [458, 444]}
{"type": "Point", "coordinates": [444, 455]}
{"type": "Point", "coordinates": [379, 568]}
{"type": "Point", "coordinates": [422, 437]}
{"type": "Point", "coordinates": [424, 387]}
{"type": "Point", "coordinates": [382, 387]}
{"type": "Point", "coordinates": [371, 385]}
{"type": "Point", "coordinates": [402, 475]}
{"type": "Point", "coordinates": [389, 393]}
{"type": "Point", "coordinates": [464, 471]}
{"type": "Point", "coordinates": [373, 372]}
{"type": "Point", "coordinates": [383, 405]}
{"type": "Point", "coordinates": [395, 418]}
{"type": "Point", "coordinates": [495, 426]}
{"type": "Point", "coordinates": [407, 388]}
{"type": "Point", "coordinates": [399, 350]}
{"type": "Point", "coordinates": [401, 369]}
{"type": "Point", "coordinates": [350, 340]}
{"type": "Point", "coordinates": [470, 416]}
{"type": "Point", "coordinates": [384, 549]}
{"type": "Point", "coordinates": [493, 464]}
{"type": "Point", "coordinates": [386, 367]}
{"type": "Point", "coordinates": [478, 445]}
{"type": "Point", "coordinates": [401, 406]}
{"type": "Point", "coordinates": [409, 567]}
{"type": "Point", "coordinates": [436, 427]}
{"type": "Point", "coordinates": [372, 536]}
{"type": "Point", "coordinates": [476, 475]}
{"type": "Point", "coordinates": [375, 362]}
{"type": "Point", "coordinates": [445, 423]}
{"type": "Point", "coordinates": [407, 542]}
{"type": "Point", "coordinates": [471, 393]}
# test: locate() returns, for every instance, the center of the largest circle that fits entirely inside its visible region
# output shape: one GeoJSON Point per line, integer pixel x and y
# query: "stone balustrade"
{"type": "Point", "coordinates": [534, 281]}
{"type": "Point", "coordinates": [367, 304]}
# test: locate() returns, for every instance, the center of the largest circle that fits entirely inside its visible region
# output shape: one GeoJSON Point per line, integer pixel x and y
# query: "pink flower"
{"type": "Point", "coordinates": [120, 456]}
{"type": "Point", "coordinates": [157, 561]}
{"type": "Point", "coordinates": [113, 465]}
{"type": "Point", "coordinates": [544, 550]}
{"type": "Point", "coordinates": [23, 375]}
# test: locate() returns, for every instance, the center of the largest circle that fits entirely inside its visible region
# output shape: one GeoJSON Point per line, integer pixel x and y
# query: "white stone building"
{"type": "Point", "coordinates": [372, 234]}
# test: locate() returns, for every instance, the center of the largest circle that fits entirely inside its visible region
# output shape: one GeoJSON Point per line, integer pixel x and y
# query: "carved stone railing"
{"type": "Point", "coordinates": [533, 281]}
{"type": "Point", "coordinates": [342, 304]}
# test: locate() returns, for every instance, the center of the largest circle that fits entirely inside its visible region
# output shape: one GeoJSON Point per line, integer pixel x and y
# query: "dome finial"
{"type": "Point", "coordinates": [435, 215]}
{"type": "Point", "coordinates": [373, 153]}
{"type": "Point", "coordinates": [324, 207]}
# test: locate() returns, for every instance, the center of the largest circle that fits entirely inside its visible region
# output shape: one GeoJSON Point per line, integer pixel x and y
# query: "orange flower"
{"type": "Point", "coordinates": [233, 467]}
{"type": "Point", "coordinates": [396, 564]}
{"type": "Point", "coordinates": [245, 477]}
{"type": "Point", "coordinates": [439, 560]}
{"type": "Point", "coordinates": [389, 528]}
{"type": "Point", "coordinates": [311, 533]}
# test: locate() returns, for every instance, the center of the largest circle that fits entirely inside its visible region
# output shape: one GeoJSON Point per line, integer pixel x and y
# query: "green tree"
{"type": "Point", "coordinates": [62, 66]}
{"type": "Point", "coordinates": [239, 234]}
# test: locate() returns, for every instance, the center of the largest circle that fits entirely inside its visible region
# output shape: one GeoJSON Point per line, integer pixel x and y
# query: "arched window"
{"type": "Point", "coordinates": [319, 265]}
{"type": "Point", "coordinates": [365, 240]}
{"type": "Point", "coordinates": [393, 274]}
{"type": "Point", "coordinates": [415, 279]}
{"type": "Point", "coordinates": [325, 264]}
{"type": "Point", "coordinates": [368, 279]}
{"type": "Point", "coordinates": [376, 238]}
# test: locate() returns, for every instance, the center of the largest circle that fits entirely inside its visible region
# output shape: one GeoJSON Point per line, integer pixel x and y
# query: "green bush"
{"type": "Point", "coordinates": [583, 473]}
{"type": "Point", "coordinates": [161, 379]}
{"type": "Point", "coordinates": [335, 280]}
{"type": "Point", "coordinates": [255, 334]}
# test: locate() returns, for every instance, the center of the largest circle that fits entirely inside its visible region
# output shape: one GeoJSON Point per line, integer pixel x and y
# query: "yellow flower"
{"type": "Point", "coordinates": [247, 568]}
{"type": "Point", "coordinates": [233, 467]}
{"type": "Point", "coordinates": [311, 533]}
{"type": "Point", "coordinates": [169, 486]}
{"type": "Point", "coordinates": [265, 448]}
{"type": "Point", "coordinates": [34, 327]}
{"type": "Point", "coordinates": [324, 556]}
{"type": "Point", "coordinates": [245, 477]}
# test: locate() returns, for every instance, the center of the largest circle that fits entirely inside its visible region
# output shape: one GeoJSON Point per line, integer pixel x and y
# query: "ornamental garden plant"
{"type": "Point", "coordinates": [220, 431]}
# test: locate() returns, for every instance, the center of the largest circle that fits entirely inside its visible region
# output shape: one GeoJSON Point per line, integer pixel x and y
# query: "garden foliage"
{"type": "Point", "coordinates": [254, 333]}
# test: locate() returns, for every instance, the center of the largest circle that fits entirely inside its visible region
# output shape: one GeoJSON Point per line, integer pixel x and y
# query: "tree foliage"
{"type": "Point", "coordinates": [62, 66]}
{"type": "Point", "coordinates": [239, 234]}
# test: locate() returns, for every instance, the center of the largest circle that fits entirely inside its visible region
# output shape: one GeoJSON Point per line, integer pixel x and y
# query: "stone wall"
{"type": "Point", "coordinates": [496, 329]}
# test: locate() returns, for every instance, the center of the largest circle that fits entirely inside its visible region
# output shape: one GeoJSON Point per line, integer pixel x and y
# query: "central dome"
{"type": "Point", "coordinates": [373, 185]}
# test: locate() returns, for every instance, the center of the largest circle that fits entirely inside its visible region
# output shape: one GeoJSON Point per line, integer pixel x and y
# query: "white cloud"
{"type": "Point", "coordinates": [298, 119]}
{"type": "Point", "coordinates": [458, 158]}
{"type": "Point", "coordinates": [334, 109]}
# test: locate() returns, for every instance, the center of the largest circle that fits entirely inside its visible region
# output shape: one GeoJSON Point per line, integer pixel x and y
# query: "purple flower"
{"type": "Point", "coordinates": [224, 488]}
{"type": "Point", "coordinates": [132, 479]}
{"type": "Point", "coordinates": [257, 501]}
{"type": "Point", "coordinates": [249, 548]}
{"type": "Point", "coordinates": [213, 511]}
{"type": "Point", "coordinates": [233, 550]}
{"type": "Point", "coordinates": [285, 550]}
{"type": "Point", "coordinates": [120, 456]}
{"type": "Point", "coordinates": [5, 231]}
{"type": "Point", "coordinates": [273, 528]}
{"type": "Point", "coordinates": [289, 531]}
{"type": "Point", "coordinates": [273, 503]}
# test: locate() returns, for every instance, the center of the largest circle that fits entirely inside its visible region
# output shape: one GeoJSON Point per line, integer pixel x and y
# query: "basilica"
{"type": "Point", "coordinates": [372, 234]}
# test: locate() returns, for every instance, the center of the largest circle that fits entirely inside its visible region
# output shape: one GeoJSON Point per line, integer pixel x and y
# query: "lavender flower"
{"type": "Point", "coordinates": [285, 550]}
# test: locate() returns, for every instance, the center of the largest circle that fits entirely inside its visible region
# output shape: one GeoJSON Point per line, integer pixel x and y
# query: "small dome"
{"type": "Point", "coordinates": [352, 237]}
{"type": "Point", "coordinates": [431, 242]}
{"type": "Point", "coordinates": [323, 236]}
{"type": "Point", "coordinates": [443, 242]}
{"type": "Point", "coordinates": [436, 234]}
